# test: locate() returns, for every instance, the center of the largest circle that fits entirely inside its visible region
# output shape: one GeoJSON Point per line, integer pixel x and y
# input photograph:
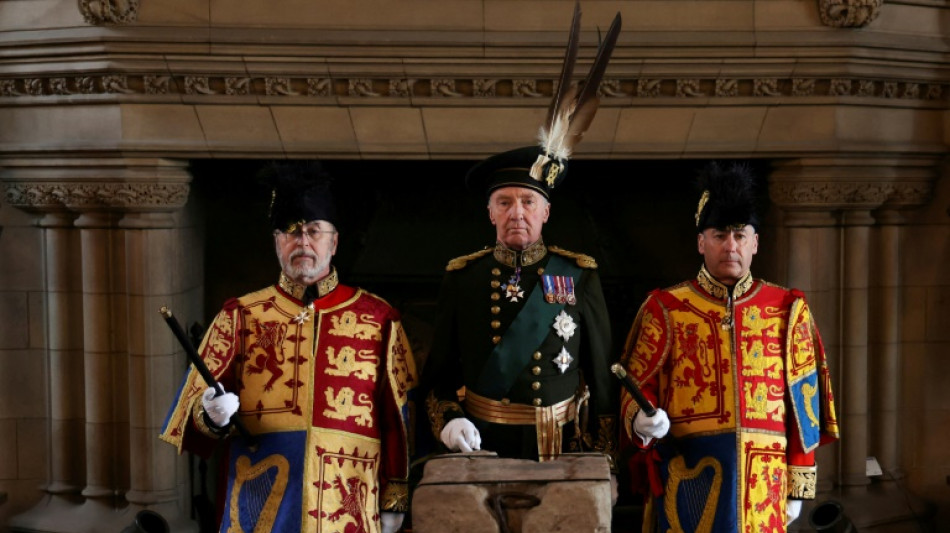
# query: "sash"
{"type": "Point", "coordinates": [532, 325]}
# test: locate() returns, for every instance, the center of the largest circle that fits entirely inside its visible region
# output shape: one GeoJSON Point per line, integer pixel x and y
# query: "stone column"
{"type": "Point", "coordinates": [850, 189]}
{"type": "Point", "coordinates": [155, 257]}
{"type": "Point", "coordinates": [885, 341]}
{"type": "Point", "coordinates": [64, 331]}
{"type": "Point", "coordinates": [853, 407]}
{"type": "Point", "coordinates": [125, 375]}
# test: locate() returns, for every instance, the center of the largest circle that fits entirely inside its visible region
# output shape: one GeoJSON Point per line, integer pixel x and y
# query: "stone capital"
{"type": "Point", "coordinates": [852, 184]}
{"type": "Point", "coordinates": [141, 189]}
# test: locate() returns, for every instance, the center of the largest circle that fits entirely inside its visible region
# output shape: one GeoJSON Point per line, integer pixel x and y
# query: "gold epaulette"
{"type": "Point", "coordinates": [460, 262]}
{"type": "Point", "coordinates": [583, 260]}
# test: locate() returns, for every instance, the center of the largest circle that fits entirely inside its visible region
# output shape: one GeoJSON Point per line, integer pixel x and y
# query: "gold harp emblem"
{"type": "Point", "coordinates": [263, 486]}
{"type": "Point", "coordinates": [692, 492]}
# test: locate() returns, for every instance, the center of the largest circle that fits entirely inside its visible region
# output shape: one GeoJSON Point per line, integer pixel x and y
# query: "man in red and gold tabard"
{"type": "Point", "coordinates": [320, 374]}
{"type": "Point", "coordinates": [737, 369]}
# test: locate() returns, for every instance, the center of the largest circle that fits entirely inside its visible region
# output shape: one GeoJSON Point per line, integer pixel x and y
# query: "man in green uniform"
{"type": "Point", "coordinates": [519, 363]}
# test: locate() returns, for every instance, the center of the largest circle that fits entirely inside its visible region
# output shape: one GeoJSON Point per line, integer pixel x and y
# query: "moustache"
{"type": "Point", "coordinates": [302, 253]}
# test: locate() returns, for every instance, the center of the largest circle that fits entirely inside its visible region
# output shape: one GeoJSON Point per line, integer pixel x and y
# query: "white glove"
{"type": "Point", "coordinates": [651, 427]}
{"type": "Point", "coordinates": [221, 408]}
{"type": "Point", "coordinates": [793, 509]}
{"type": "Point", "coordinates": [391, 522]}
{"type": "Point", "coordinates": [460, 434]}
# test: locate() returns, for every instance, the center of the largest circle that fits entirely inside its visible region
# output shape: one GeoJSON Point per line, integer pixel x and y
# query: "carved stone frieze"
{"type": "Point", "coordinates": [279, 87]}
{"type": "Point", "coordinates": [848, 13]}
{"type": "Point", "coordinates": [362, 87]}
{"type": "Point", "coordinates": [319, 86]}
{"type": "Point", "coordinates": [237, 86]}
{"type": "Point", "coordinates": [727, 88]}
{"type": "Point", "coordinates": [611, 89]}
{"type": "Point", "coordinates": [688, 88]}
{"type": "Point", "coordinates": [767, 87]}
{"type": "Point", "coordinates": [444, 87]}
{"type": "Point", "coordinates": [129, 85]}
{"type": "Point", "coordinates": [483, 87]}
{"type": "Point", "coordinates": [835, 194]}
{"type": "Point", "coordinates": [109, 12]}
{"type": "Point", "coordinates": [40, 196]}
{"type": "Point", "coordinates": [527, 88]}
{"type": "Point", "coordinates": [648, 88]}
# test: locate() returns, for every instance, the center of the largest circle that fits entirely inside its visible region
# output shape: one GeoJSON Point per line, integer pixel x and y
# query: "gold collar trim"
{"type": "Point", "coordinates": [720, 291]}
{"type": "Point", "coordinates": [324, 287]}
{"type": "Point", "coordinates": [529, 256]}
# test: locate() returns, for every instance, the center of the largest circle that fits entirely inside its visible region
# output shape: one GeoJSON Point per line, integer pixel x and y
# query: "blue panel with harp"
{"type": "Point", "coordinates": [261, 482]}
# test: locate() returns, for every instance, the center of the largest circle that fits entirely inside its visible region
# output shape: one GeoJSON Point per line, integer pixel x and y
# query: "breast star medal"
{"type": "Point", "coordinates": [304, 315]}
{"type": "Point", "coordinates": [563, 360]}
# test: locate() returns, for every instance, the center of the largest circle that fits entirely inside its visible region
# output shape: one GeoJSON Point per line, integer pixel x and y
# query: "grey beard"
{"type": "Point", "coordinates": [300, 274]}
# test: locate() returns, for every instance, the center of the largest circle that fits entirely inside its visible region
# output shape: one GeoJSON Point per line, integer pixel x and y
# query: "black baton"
{"type": "Point", "coordinates": [202, 369]}
{"type": "Point", "coordinates": [632, 388]}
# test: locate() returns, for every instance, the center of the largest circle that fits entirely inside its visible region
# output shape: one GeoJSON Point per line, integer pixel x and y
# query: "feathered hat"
{"type": "Point", "coordinates": [728, 198]}
{"type": "Point", "coordinates": [300, 193]}
{"type": "Point", "coordinates": [544, 166]}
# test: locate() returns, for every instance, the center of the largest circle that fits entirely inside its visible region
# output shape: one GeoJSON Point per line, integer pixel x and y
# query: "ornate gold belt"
{"type": "Point", "coordinates": [547, 420]}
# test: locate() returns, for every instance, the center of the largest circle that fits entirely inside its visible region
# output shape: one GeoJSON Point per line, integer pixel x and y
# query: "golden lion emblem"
{"type": "Point", "coordinates": [348, 325]}
{"type": "Point", "coordinates": [341, 406]}
{"type": "Point", "coordinates": [347, 362]}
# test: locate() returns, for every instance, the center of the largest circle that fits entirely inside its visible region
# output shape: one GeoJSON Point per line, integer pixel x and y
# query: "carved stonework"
{"type": "Point", "coordinates": [848, 13]}
{"type": "Point", "coordinates": [834, 194]}
{"type": "Point", "coordinates": [319, 86]}
{"type": "Point", "coordinates": [727, 88]}
{"type": "Point", "coordinates": [91, 195]}
{"type": "Point", "coordinates": [211, 86]}
{"type": "Point", "coordinates": [767, 87]}
{"type": "Point", "coordinates": [444, 87]}
{"type": "Point", "coordinates": [236, 86]}
{"type": "Point", "coordinates": [107, 12]}
{"type": "Point", "coordinates": [688, 88]}
{"type": "Point", "coordinates": [527, 88]}
{"type": "Point", "coordinates": [362, 87]}
{"type": "Point", "coordinates": [279, 87]}
{"type": "Point", "coordinates": [649, 87]}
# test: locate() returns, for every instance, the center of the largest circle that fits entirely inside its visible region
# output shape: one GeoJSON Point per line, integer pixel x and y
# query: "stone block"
{"type": "Point", "coordinates": [481, 492]}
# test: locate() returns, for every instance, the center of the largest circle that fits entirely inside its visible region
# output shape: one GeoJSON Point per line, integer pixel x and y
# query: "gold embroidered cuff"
{"type": "Point", "coordinates": [204, 425]}
{"type": "Point", "coordinates": [395, 497]}
{"type": "Point", "coordinates": [437, 409]}
{"type": "Point", "coordinates": [802, 482]}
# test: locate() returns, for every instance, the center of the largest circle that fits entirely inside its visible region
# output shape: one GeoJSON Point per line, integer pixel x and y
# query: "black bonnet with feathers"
{"type": "Point", "coordinates": [728, 197]}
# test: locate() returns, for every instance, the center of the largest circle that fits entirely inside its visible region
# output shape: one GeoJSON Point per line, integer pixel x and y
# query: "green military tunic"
{"type": "Point", "coordinates": [477, 352]}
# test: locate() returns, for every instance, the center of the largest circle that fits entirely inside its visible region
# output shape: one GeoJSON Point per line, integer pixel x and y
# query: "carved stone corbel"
{"type": "Point", "coordinates": [108, 12]}
{"type": "Point", "coordinates": [848, 13]}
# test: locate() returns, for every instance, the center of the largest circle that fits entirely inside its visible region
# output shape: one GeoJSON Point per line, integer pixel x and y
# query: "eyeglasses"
{"type": "Point", "coordinates": [313, 233]}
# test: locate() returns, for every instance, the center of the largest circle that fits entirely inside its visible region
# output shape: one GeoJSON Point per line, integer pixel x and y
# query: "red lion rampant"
{"type": "Point", "coordinates": [353, 503]}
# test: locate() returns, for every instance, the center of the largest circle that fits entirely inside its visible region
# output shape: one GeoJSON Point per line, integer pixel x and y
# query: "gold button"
{"type": "Point", "coordinates": [536, 370]}
{"type": "Point", "coordinates": [495, 296]}
{"type": "Point", "coordinates": [496, 339]}
{"type": "Point", "coordinates": [536, 402]}
{"type": "Point", "coordinates": [495, 284]}
{"type": "Point", "coordinates": [495, 324]}
{"type": "Point", "coordinates": [495, 309]}
{"type": "Point", "coordinates": [505, 401]}
{"type": "Point", "coordinates": [541, 271]}
{"type": "Point", "coordinates": [536, 385]}
{"type": "Point", "coordinates": [495, 272]}
{"type": "Point", "coordinates": [537, 356]}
